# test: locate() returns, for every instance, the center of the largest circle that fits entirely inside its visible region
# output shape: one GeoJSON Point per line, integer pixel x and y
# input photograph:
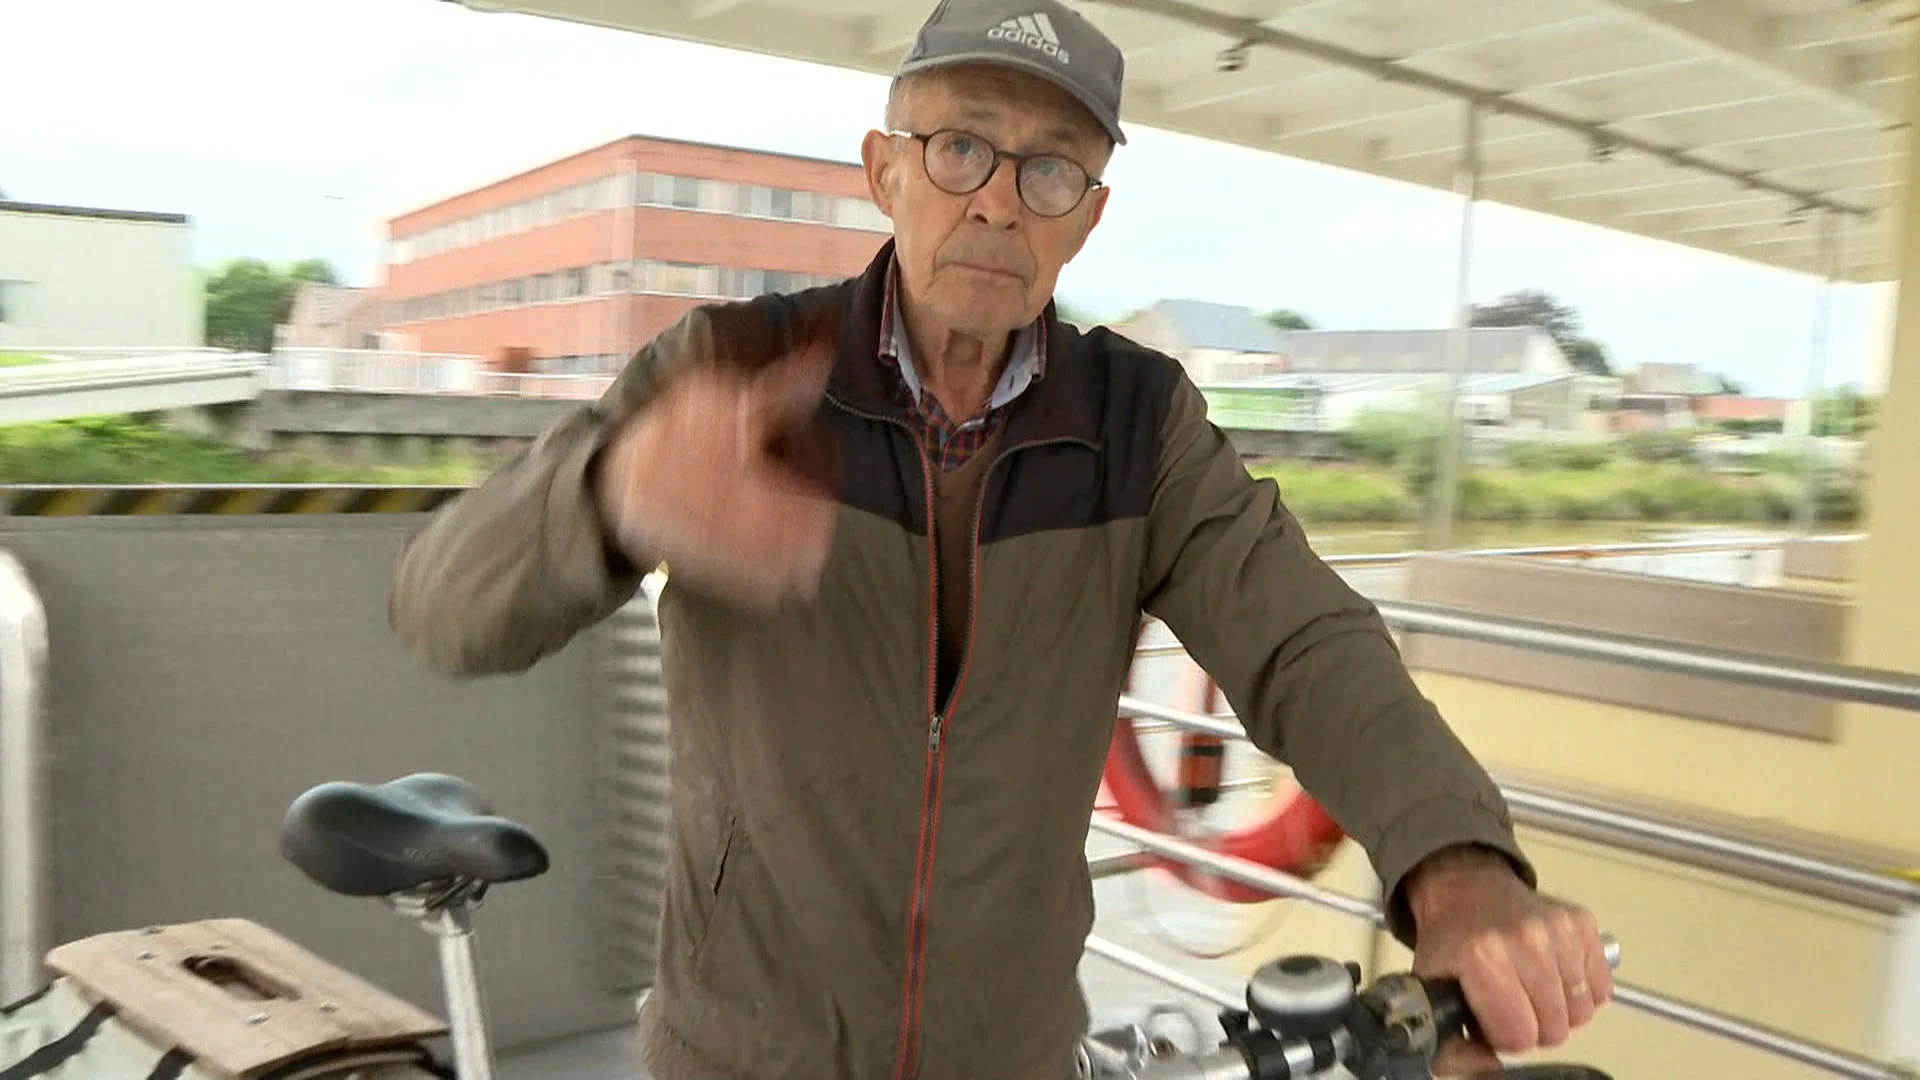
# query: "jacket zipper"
{"type": "Point", "coordinates": [905, 1059]}
{"type": "Point", "coordinates": [906, 1063]}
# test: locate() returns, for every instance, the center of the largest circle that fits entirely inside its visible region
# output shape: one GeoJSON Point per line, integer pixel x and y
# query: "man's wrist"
{"type": "Point", "coordinates": [1443, 879]}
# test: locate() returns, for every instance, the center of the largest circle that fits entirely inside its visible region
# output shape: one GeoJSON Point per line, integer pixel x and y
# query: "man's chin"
{"type": "Point", "coordinates": [984, 313]}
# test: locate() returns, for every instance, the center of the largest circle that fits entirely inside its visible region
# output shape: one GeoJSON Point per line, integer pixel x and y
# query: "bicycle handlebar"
{"type": "Point", "coordinates": [1313, 1017]}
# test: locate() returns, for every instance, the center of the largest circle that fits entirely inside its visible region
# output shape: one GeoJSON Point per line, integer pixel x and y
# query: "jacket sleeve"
{"type": "Point", "coordinates": [514, 568]}
{"type": "Point", "coordinates": [1306, 662]}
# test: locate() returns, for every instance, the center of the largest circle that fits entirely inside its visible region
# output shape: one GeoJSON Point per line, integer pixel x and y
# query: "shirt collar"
{"type": "Point", "coordinates": [1027, 364]}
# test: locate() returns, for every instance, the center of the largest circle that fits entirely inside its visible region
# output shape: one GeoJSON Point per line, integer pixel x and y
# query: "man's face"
{"type": "Point", "coordinates": [983, 264]}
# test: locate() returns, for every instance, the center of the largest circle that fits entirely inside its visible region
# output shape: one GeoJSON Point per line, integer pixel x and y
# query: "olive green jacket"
{"type": "Point", "coordinates": [861, 887]}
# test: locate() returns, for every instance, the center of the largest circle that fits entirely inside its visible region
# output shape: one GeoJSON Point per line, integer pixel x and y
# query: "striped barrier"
{"type": "Point", "coordinates": [107, 500]}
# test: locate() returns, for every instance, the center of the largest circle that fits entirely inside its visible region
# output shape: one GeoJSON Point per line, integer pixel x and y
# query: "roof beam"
{"type": "Point", "coordinates": [1255, 33]}
{"type": "Point", "coordinates": [1847, 26]}
{"type": "Point", "coordinates": [1742, 37]}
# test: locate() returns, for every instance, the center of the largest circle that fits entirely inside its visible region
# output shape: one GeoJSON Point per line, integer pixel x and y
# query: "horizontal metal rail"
{"type": "Point", "coordinates": [1146, 965]}
{"type": "Point", "coordinates": [1837, 682]}
{"type": "Point", "coordinates": [1718, 851]}
{"type": "Point", "coordinates": [1571, 551]}
{"type": "Point", "coordinates": [1556, 812]}
{"type": "Point", "coordinates": [1807, 1052]}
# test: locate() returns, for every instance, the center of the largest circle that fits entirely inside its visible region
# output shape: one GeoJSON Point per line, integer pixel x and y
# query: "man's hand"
{"type": "Point", "coordinates": [1533, 971]}
{"type": "Point", "coordinates": [691, 481]}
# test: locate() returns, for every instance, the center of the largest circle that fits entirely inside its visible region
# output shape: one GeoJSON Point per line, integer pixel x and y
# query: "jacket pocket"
{"type": "Point", "coordinates": [762, 1009]}
{"type": "Point", "coordinates": [715, 882]}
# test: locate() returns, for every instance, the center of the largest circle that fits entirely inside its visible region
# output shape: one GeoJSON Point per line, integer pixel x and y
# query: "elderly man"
{"type": "Point", "coordinates": [912, 522]}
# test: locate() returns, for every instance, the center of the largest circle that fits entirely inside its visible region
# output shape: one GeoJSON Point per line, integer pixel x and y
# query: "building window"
{"type": "Point", "coordinates": [717, 195]}
{"type": "Point", "coordinates": [686, 192]}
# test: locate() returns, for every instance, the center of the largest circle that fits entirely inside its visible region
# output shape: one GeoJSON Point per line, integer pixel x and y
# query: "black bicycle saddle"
{"type": "Point", "coordinates": [381, 839]}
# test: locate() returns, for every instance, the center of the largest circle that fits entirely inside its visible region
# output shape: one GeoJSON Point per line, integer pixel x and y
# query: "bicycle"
{"type": "Point", "coordinates": [431, 846]}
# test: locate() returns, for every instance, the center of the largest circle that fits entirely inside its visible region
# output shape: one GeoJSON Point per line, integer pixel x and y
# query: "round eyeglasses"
{"type": "Point", "coordinates": [960, 163]}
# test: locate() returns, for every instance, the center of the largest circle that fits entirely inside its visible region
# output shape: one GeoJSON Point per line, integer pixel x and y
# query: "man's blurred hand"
{"type": "Point", "coordinates": [691, 481]}
{"type": "Point", "coordinates": [1533, 971]}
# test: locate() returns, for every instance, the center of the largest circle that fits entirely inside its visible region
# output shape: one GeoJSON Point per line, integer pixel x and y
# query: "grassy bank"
{"type": "Point", "coordinates": [1566, 485]}
{"type": "Point", "coordinates": [122, 450]}
{"type": "Point", "coordinates": [1390, 461]}
{"type": "Point", "coordinates": [1356, 494]}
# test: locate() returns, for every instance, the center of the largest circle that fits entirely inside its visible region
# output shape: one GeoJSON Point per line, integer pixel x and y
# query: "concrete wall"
{"type": "Point", "coordinates": [75, 280]}
{"type": "Point", "coordinates": [207, 670]}
{"type": "Point", "coordinates": [316, 412]}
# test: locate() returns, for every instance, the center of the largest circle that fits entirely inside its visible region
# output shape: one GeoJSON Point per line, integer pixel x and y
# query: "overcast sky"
{"type": "Point", "coordinates": [296, 127]}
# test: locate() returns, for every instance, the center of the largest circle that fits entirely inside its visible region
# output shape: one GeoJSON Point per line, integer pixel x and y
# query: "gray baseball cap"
{"type": "Point", "coordinates": [1040, 37]}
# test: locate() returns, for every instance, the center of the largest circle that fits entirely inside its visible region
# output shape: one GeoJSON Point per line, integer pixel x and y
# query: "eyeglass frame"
{"type": "Point", "coordinates": [925, 139]}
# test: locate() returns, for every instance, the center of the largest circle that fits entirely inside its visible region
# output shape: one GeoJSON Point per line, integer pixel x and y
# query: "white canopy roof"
{"type": "Point", "coordinates": [1718, 124]}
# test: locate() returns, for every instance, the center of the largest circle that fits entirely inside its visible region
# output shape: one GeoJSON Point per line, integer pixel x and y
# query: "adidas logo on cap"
{"type": "Point", "coordinates": [1034, 31]}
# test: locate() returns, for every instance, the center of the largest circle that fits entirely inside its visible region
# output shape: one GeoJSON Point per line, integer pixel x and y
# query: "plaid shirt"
{"type": "Point", "coordinates": [950, 445]}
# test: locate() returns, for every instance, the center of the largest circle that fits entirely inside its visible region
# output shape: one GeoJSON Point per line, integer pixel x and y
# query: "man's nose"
{"type": "Point", "coordinates": [997, 202]}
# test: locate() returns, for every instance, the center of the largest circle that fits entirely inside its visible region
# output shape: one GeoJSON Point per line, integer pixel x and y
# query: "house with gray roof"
{"type": "Point", "coordinates": [1324, 379]}
{"type": "Point", "coordinates": [1212, 341]}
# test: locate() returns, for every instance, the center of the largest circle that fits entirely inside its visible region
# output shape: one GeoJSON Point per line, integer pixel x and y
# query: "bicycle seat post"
{"type": "Point", "coordinates": [447, 914]}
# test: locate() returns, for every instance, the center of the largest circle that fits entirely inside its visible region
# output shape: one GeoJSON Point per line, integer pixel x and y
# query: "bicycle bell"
{"type": "Point", "coordinates": [1302, 995]}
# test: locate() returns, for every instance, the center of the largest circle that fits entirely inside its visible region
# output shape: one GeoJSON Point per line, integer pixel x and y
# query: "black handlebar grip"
{"type": "Point", "coordinates": [1451, 1017]}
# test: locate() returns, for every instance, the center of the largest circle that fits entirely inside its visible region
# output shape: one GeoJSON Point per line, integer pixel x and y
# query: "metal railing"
{"type": "Point", "coordinates": [24, 919]}
{"type": "Point", "coordinates": [1805, 1051]}
{"type": "Point", "coordinates": [1556, 812]}
{"type": "Point", "coordinates": [1574, 552]}
{"type": "Point", "coordinates": [392, 371]}
{"type": "Point", "coordinates": [1838, 682]}
{"type": "Point", "coordinates": [1559, 812]}
{"type": "Point", "coordinates": [71, 353]}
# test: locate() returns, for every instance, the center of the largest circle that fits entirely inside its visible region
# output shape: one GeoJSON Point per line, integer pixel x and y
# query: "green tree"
{"type": "Point", "coordinates": [1285, 319]}
{"type": "Point", "coordinates": [247, 298]}
{"type": "Point", "coordinates": [1534, 307]}
{"type": "Point", "coordinates": [1843, 411]}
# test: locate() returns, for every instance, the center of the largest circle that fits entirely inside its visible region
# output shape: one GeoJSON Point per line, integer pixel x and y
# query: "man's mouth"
{"type": "Point", "coordinates": [988, 268]}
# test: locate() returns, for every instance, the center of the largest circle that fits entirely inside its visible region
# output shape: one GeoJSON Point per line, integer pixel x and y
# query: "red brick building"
{"type": "Point", "coordinates": [573, 265]}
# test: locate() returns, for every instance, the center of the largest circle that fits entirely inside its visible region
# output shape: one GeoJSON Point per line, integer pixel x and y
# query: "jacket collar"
{"type": "Point", "coordinates": [1058, 406]}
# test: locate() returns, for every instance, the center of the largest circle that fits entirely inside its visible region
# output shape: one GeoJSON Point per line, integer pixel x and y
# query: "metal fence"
{"type": "Point", "coordinates": [1555, 812]}
{"type": "Point", "coordinates": [390, 371]}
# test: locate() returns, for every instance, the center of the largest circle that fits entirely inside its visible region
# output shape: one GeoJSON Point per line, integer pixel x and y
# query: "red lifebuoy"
{"type": "Point", "coordinates": [1296, 836]}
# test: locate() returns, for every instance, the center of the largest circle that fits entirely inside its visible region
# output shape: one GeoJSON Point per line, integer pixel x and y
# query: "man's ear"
{"type": "Point", "coordinates": [1098, 196]}
{"type": "Point", "coordinates": [878, 156]}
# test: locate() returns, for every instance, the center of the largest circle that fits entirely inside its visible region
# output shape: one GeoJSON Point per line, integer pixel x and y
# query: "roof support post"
{"type": "Point", "coordinates": [1807, 514]}
{"type": "Point", "coordinates": [1446, 481]}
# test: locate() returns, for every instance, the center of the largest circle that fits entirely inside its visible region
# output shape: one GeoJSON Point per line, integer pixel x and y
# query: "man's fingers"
{"type": "Point", "coordinates": [770, 544]}
{"type": "Point", "coordinates": [788, 390]}
{"type": "Point", "coordinates": [1498, 996]}
{"type": "Point", "coordinates": [1536, 959]}
{"type": "Point", "coordinates": [1593, 949]}
{"type": "Point", "coordinates": [1571, 953]}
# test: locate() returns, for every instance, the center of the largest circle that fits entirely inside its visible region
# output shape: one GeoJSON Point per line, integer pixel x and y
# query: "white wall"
{"type": "Point", "coordinates": [75, 281]}
{"type": "Point", "coordinates": [1545, 358]}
